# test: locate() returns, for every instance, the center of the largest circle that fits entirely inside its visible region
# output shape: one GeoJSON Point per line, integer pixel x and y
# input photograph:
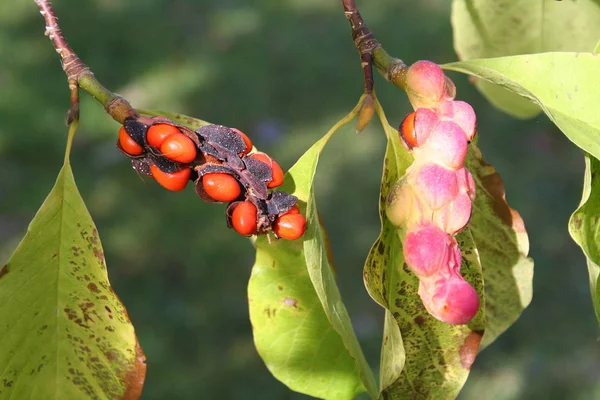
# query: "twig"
{"type": "Point", "coordinates": [371, 51]}
{"type": "Point", "coordinates": [79, 75]}
{"type": "Point", "coordinates": [364, 41]}
{"type": "Point", "coordinates": [71, 64]}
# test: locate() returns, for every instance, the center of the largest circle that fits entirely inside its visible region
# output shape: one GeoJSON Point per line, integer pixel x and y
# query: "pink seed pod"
{"type": "Point", "coordinates": [464, 116]}
{"type": "Point", "coordinates": [451, 300]}
{"type": "Point", "coordinates": [449, 90]}
{"type": "Point", "coordinates": [455, 216]}
{"type": "Point", "coordinates": [425, 121]}
{"type": "Point", "coordinates": [435, 185]}
{"type": "Point", "coordinates": [401, 203]}
{"type": "Point", "coordinates": [446, 145]}
{"type": "Point", "coordinates": [466, 183]}
{"type": "Point", "coordinates": [426, 250]}
{"type": "Point", "coordinates": [425, 84]}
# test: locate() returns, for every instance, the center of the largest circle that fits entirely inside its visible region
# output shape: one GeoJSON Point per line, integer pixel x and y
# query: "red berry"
{"type": "Point", "coordinates": [129, 145]}
{"type": "Point", "coordinates": [276, 171]}
{"type": "Point", "coordinates": [157, 134]}
{"type": "Point", "coordinates": [179, 147]}
{"type": "Point", "coordinates": [244, 219]}
{"type": "Point", "coordinates": [174, 181]}
{"type": "Point", "coordinates": [294, 210]}
{"type": "Point", "coordinates": [290, 226]}
{"type": "Point", "coordinates": [407, 130]}
{"type": "Point", "coordinates": [246, 139]}
{"type": "Point", "coordinates": [221, 187]}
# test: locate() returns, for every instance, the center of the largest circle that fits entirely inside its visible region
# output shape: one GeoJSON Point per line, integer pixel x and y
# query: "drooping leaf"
{"type": "Point", "coordinates": [64, 333]}
{"type": "Point", "coordinates": [190, 122]}
{"type": "Point", "coordinates": [498, 28]}
{"type": "Point", "coordinates": [301, 327]}
{"type": "Point", "coordinates": [421, 356]}
{"type": "Point", "coordinates": [507, 101]}
{"type": "Point", "coordinates": [502, 243]}
{"type": "Point", "coordinates": [560, 83]}
{"type": "Point", "coordinates": [584, 227]}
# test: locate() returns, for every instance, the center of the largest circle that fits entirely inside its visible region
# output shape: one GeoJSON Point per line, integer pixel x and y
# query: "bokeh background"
{"type": "Point", "coordinates": [283, 71]}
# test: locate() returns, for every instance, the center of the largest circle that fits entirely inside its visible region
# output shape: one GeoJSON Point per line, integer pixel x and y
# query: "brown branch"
{"type": "Point", "coordinates": [364, 41]}
{"type": "Point", "coordinates": [371, 51]}
{"type": "Point", "coordinates": [79, 75]}
{"type": "Point", "coordinates": [71, 64]}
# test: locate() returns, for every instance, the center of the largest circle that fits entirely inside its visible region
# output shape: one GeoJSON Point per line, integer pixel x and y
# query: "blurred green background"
{"type": "Point", "coordinates": [283, 71]}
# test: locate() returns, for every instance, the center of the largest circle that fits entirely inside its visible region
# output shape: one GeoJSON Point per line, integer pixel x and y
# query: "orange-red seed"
{"type": "Point", "coordinates": [129, 145]}
{"type": "Point", "coordinates": [221, 187]}
{"type": "Point", "coordinates": [174, 181]}
{"type": "Point", "coordinates": [244, 218]}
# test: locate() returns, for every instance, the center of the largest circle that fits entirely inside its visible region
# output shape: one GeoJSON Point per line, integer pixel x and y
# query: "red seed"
{"type": "Point", "coordinates": [179, 147]}
{"type": "Point", "coordinates": [276, 171]}
{"type": "Point", "coordinates": [174, 181]}
{"type": "Point", "coordinates": [221, 187]}
{"type": "Point", "coordinates": [246, 139]}
{"type": "Point", "coordinates": [294, 210]}
{"type": "Point", "coordinates": [407, 130]}
{"type": "Point", "coordinates": [290, 226]}
{"type": "Point", "coordinates": [158, 133]}
{"type": "Point", "coordinates": [129, 145]}
{"type": "Point", "coordinates": [244, 218]}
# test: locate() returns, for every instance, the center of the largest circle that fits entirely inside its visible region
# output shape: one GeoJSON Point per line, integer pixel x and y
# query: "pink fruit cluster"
{"type": "Point", "coordinates": [432, 201]}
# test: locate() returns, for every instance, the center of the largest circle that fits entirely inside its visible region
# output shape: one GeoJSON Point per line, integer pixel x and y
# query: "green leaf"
{"type": "Point", "coordinates": [64, 334]}
{"type": "Point", "coordinates": [498, 28]}
{"type": "Point", "coordinates": [560, 83]}
{"type": "Point", "coordinates": [507, 101]}
{"type": "Point", "coordinates": [502, 243]}
{"type": "Point", "coordinates": [190, 122]}
{"type": "Point", "coordinates": [421, 356]}
{"type": "Point", "coordinates": [584, 227]}
{"type": "Point", "coordinates": [597, 48]}
{"type": "Point", "coordinates": [301, 327]}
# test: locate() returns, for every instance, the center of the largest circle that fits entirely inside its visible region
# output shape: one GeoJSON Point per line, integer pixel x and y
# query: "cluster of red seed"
{"type": "Point", "coordinates": [221, 163]}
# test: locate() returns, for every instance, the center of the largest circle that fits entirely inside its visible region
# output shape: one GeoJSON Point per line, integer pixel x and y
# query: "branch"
{"type": "Point", "coordinates": [372, 52]}
{"type": "Point", "coordinates": [79, 75]}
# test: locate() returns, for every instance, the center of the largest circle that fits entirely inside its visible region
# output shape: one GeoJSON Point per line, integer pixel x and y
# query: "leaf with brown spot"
{"type": "Point", "coordinates": [55, 341]}
{"type": "Point", "coordinates": [307, 340]}
{"type": "Point", "coordinates": [585, 229]}
{"type": "Point", "coordinates": [502, 244]}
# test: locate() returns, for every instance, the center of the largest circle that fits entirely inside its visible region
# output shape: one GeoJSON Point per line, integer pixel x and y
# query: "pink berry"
{"type": "Point", "coordinates": [455, 216]}
{"type": "Point", "coordinates": [402, 205]}
{"type": "Point", "coordinates": [453, 301]}
{"type": "Point", "coordinates": [464, 116]}
{"type": "Point", "coordinates": [436, 186]}
{"type": "Point", "coordinates": [446, 145]}
{"type": "Point", "coordinates": [466, 183]}
{"type": "Point", "coordinates": [426, 250]}
{"type": "Point", "coordinates": [449, 90]}
{"type": "Point", "coordinates": [425, 121]}
{"type": "Point", "coordinates": [425, 84]}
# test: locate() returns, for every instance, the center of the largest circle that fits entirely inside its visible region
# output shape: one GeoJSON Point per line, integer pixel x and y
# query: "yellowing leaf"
{"type": "Point", "coordinates": [498, 28]}
{"type": "Point", "coordinates": [301, 327]}
{"type": "Point", "coordinates": [64, 334]}
{"type": "Point", "coordinates": [584, 227]}
{"type": "Point", "coordinates": [561, 84]}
